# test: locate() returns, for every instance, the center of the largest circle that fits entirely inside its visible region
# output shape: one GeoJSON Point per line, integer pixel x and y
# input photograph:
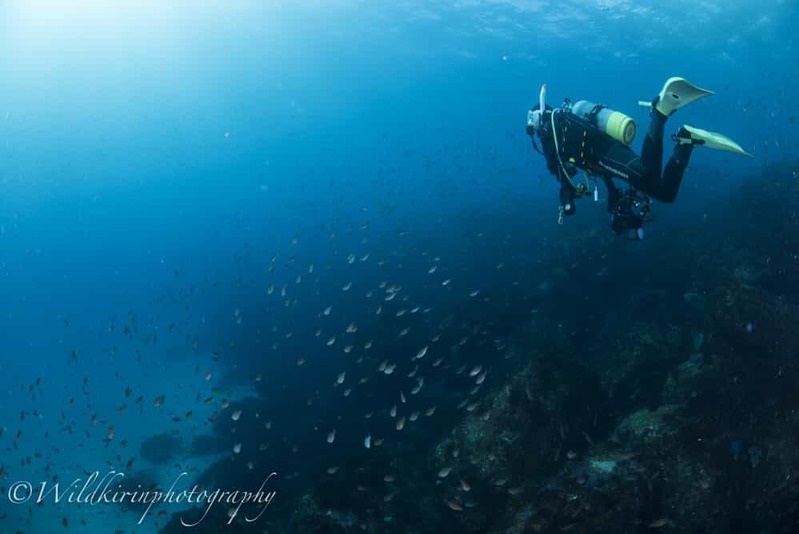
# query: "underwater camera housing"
{"type": "Point", "coordinates": [614, 123]}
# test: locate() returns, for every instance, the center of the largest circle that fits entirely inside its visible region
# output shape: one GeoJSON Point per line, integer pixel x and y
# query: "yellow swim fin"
{"type": "Point", "coordinates": [717, 141]}
{"type": "Point", "coordinates": [676, 93]}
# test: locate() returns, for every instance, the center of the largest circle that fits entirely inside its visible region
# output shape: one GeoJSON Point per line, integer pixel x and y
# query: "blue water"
{"type": "Point", "coordinates": [157, 157]}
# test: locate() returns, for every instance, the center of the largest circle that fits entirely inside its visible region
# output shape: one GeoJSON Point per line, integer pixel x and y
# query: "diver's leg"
{"type": "Point", "coordinates": [673, 173]}
{"type": "Point", "coordinates": [652, 149]}
{"type": "Point", "coordinates": [644, 173]}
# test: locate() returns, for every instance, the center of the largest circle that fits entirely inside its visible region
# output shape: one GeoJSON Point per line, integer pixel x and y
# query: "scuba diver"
{"type": "Point", "coordinates": [595, 139]}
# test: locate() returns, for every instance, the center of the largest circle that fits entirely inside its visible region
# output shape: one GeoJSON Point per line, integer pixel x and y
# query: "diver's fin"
{"type": "Point", "coordinates": [676, 93]}
{"type": "Point", "coordinates": [699, 137]}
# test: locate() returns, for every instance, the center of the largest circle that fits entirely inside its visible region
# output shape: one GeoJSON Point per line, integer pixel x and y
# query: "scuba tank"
{"type": "Point", "coordinates": [614, 123]}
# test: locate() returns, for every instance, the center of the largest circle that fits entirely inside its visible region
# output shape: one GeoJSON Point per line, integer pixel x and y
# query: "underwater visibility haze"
{"type": "Point", "coordinates": [296, 266]}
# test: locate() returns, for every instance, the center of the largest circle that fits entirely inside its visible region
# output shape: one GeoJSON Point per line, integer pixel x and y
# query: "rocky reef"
{"type": "Point", "coordinates": [667, 402]}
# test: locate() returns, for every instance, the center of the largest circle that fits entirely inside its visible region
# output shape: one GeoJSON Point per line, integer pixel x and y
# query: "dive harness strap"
{"type": "Point", "coordinates": [592, 115]}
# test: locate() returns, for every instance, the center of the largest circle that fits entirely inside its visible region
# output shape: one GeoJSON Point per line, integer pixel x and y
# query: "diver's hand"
{"type": "Point", "coordinates": [534, 119]}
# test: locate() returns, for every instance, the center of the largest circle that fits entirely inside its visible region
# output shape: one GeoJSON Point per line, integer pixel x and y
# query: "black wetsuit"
{"type": "Point", "coordinates": [582, 145]}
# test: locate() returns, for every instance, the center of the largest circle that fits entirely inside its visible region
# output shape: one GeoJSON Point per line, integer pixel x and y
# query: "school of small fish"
{"type": "Point", "coordinates": [367, 336]}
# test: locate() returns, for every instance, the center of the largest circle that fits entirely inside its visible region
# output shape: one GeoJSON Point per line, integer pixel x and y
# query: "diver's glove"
{"type": "Point", "coordinates": [630, 213]}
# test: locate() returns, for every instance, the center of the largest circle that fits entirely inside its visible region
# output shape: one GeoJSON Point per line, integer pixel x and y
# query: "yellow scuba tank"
{"type": "Point", "coordinates": [614, 123]}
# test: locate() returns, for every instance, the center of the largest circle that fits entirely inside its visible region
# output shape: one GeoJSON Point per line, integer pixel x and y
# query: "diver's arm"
{"type": "Point", "coordinates": [567, 196]}
{"type": "Point", "coordinates": [614, 193]}
{"type": "Point", "coordinates": [549, 151]}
